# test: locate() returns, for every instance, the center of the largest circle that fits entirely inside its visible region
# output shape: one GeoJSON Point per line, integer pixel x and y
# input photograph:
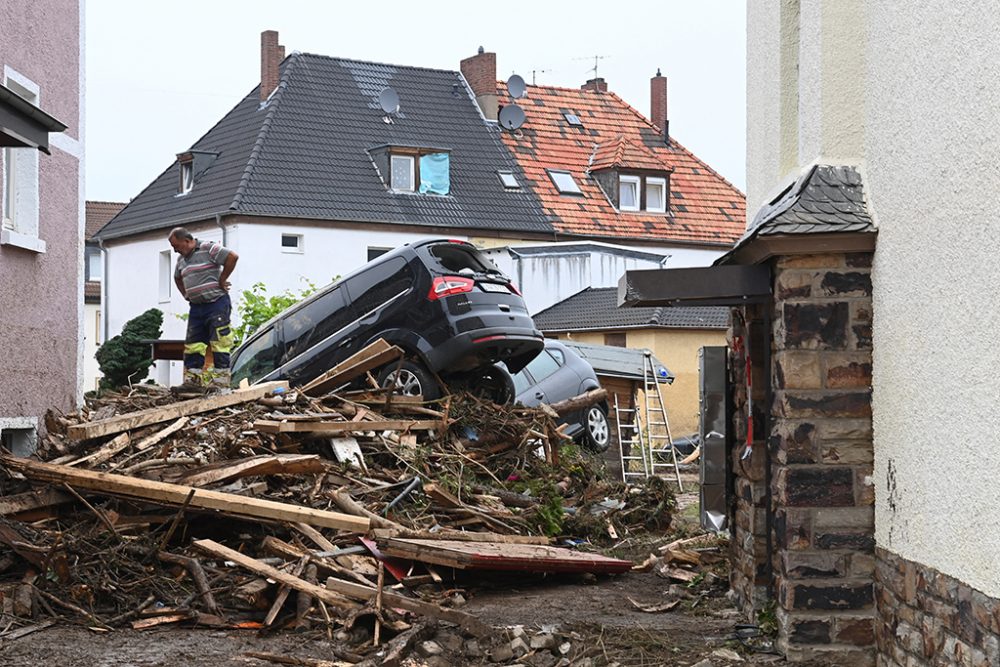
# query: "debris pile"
{"type": "Point", "coordinates": [345, 512]}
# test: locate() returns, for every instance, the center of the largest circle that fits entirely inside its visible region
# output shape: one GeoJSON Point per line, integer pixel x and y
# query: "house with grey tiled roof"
{"type": "Point", "coordinates": [98, 213]}
{"type": "Point", "coordinates": [673, 334]}
{"type": "Point", "coordinates": [316, 171]}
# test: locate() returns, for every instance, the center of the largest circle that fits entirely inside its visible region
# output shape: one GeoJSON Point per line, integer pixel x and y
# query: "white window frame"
{"type": "Point", "coordinates": [187, 178]}
{"type": "Point", "coordinates": [662, 182]}
{"type": "Point", "coordinates": [166, 275]}
{"type": "Point", "coordinates": [92, 258]}
{"type": "Point", "coordinates": [570, 187]}
{"type": "Point", "coordinates": [636, 182]}
{"type": "Point", "coordinates": [412, 159]}
{"type": "Point", "coordinates": [19, 190]}
{"type": "Point", "coordinates": [299, 247]}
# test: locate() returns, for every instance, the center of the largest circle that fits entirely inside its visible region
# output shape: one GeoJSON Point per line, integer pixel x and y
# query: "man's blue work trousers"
{"type": "Point", "coordinates": [208, 324]}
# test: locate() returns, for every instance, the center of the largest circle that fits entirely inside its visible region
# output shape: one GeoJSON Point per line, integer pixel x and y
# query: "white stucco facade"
{"type": "Point", "coordinates": [908, 96]}
{"type": "Point", "coordinates": [931, 142]}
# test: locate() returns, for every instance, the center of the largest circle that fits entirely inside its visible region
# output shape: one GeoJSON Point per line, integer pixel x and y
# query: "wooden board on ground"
{"type": "Point", "coordinates": [265, 464]}
{"type": "Point", "coordinates": [326, 595]}
{"type": "Point", "coordinates": [177, 495]}
{"type": "Point", "coordinates": [459, 536]}
{"type": "Point", "coordinates": [32, 500]}
{"type": "Point", "coordinates": [495, 556]}
{"type": "Point", "coordinates": [371, 357]}
{"type": "Point", "coordinates": [132, 420]}
{"type": "Point", "coordinates": [271, 426]}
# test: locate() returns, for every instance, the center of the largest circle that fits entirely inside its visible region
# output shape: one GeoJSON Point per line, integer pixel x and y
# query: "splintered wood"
{"type": "Point", "coordinates": [229, 510]}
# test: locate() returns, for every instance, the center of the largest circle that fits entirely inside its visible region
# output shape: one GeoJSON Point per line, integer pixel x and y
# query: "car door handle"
{"type": "Point", "coordinates": [346, 341]}
{"type": "Point", "coordinates": [539, 395]}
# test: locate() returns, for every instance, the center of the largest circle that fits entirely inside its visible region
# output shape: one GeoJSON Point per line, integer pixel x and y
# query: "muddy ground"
{"type": "Point", "coordinates": [592, 620]}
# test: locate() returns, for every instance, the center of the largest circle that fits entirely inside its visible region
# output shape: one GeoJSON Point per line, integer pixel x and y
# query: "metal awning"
{"type": "Point", "coordinates": [702, 286]}
{"type": "Point", "coordinates": [22, 124]}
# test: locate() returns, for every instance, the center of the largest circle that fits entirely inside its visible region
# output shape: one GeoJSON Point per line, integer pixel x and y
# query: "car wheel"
{"type": "Point", "coordinates": [411, 379]}
{"type": "Point", "coordinates": [596, 432]}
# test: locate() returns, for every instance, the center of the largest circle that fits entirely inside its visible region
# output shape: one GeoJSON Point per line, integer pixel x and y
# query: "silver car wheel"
{"type": "Point", "coordinates": [405, 381]}
{"type": "Point", "coordinates": [597, 426]}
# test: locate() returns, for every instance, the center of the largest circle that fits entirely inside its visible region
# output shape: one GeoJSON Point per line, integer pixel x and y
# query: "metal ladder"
{"type": "Point", "coordinates": [630, 434]}
{"type": "Point", "coordinates": [662, 454]}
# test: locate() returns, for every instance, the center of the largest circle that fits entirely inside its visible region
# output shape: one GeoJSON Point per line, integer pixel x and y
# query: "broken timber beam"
{"type": "Point", "coordinates": [371, 357]}
{"type": "Point", "coordinates": [213, 548]}
{"type": "Point", "coordinates": [176, 495]}
{"type": "Point", "coordinates": [194, 406]}
{"type": "Point", "coordinates": [581, 401]}
{"type": "Point", "coordinates": [271, 426]}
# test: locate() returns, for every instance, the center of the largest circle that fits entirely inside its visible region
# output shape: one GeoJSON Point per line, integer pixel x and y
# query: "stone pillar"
{"type": "Point", "coordinates": [821, 446]}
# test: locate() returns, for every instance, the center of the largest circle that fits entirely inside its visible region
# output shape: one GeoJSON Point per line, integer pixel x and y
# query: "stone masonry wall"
{"type": "Point", "coordinates": [928, 618]}
{"type": "Point", "coordinates": [821, 448]}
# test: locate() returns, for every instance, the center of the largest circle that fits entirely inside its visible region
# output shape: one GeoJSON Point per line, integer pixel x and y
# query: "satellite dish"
{"type": "Point", "coordinates": [516, 86]}
{"type": "Point", "coordinates": [388, 99]}
{"type": "Point", "coordinates": [512, 117]}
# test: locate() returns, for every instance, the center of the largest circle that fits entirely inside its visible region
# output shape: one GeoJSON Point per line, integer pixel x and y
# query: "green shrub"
{"type": "Point", "coordinates": [256, 307]}
{"type": "Point", "coordinates": [124, 360]}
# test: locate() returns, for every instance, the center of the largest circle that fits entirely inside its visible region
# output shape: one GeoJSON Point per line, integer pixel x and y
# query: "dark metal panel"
{"type": "Point", "coordinates": [703, 286]}
{"type": "Point", "coordinates": [18, 131]}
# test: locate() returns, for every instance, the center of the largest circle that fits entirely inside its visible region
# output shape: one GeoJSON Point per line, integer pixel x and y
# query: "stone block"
{"type": "Point", "coordinates": [813, 564]}
{"type": "Point", "coordinates": [803, 404]}
{"type": "Point", "coordinates": [852, 370]}
{"type": "Point", "coordinates": [932, 630]}
{"type": "Point", "coordinates": [834, 430]}
{"type": "Point", "coordinates": [808, 631]}
{"type": "Point", "coordinates": [794, 284]}
{"type": "Point", "coordinates": [842, 595]}
{"type": "Point", "coordinates": [813, 326]}
{"type": "Point", "coordinates": [847, 452]}
{"type": "Point", "coordinates": [858, 259]}
{"type": "Point", "coordinates": [846, 283]}
{"type": "Point", "coordinates": [793, 528]}
{"type": "Point", "coordinates": [986, 612]}
{"type": "Point", "coordinates": [825, 486]}
{"type": "Point", "coordinates": [797, 370]}
{"type": "Point", "coordinates": [794, 441]}
{"type": "Point", "coordinates": [857, 631]}
{"type": "Point", "coordinates": [862, 565]}
{"type": "Point", "coordinates": [847, 517]}
{"type": "Point", "coordinates": [864, 486]}
{"type": "Point", "coordinates": [831, 261]}
{"type": "Point", "coordinates": [864, 542]}
{"type": "Point", "coordinates": [861, 336]}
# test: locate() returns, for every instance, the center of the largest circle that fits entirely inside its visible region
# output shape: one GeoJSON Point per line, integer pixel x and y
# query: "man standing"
{"type": "Point", "coordinates": [202, 274]}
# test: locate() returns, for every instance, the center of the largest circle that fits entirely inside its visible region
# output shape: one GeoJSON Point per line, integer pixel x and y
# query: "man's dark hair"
{"type": "Point", "coordinates": [180, 233]}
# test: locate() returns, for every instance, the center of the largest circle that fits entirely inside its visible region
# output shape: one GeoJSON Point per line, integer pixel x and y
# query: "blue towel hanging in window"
{"type": "Point", "coordinates": [434, 176]}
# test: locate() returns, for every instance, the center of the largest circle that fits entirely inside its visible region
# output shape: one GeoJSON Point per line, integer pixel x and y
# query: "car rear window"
{"type": "Point", "coordinates": [459, 258]}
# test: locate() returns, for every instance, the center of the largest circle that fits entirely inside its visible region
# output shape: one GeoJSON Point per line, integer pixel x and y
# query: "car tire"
{"type": "Point", "coordinates": [596, 430]}
{"type": "Point", "coordinates": [410, 379]}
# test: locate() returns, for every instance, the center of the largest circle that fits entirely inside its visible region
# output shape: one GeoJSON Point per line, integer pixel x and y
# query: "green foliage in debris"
{"type": "Point", "coordinates": [767, 619]}
{"type": "Point", "coordinates": [257, 307]}
{"type": "Point", "coordinates": [124, 360]}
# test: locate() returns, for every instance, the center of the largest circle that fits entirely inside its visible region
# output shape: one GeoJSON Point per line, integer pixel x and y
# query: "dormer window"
{"type": "Point", "coordinates": [628, 193]}
{"type": "Point", "coordinates": [187, 178]}
{"type": "Point", "coordinates": [403, 172]}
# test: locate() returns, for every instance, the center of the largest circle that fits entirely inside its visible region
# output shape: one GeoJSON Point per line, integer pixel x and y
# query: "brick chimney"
{"type": "Point", "coordinates": [480, 71]}
{"type": "Point", "coordinates": [598, 85]}
{"type": "Point", "coordinates": [271, 55]}
{"type": "Point", "coordinates": [658, 105]}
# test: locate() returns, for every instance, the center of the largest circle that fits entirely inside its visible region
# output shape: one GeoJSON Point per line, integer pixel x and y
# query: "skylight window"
{"type": "Point", "coordinates": [563, 180]}
{"type": "Point", "coordinates": [508, 179]}
{"type": "Point", "coordinates": [573, 119]}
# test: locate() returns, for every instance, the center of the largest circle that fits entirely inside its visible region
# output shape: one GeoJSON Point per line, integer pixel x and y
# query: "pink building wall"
{"type": "Point", "coordinates": [41, 293]}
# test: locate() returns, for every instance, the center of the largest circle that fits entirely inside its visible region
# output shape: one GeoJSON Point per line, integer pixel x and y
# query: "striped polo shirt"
{"type": "Point", "coordinates": [200, 271]}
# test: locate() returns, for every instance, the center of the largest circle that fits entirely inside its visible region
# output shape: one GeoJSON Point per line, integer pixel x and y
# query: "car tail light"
{"type": "Point", "coordinates": [513, 288]}
{"type": "Point", "coordinates": [447, 285]}
{"type": "Point", "coordinates": [486, 339]}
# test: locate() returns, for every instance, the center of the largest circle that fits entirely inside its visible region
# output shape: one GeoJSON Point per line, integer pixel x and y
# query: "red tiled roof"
{"type": "Point", "coordinates": [92, 292]}
{"type": "Point", "coordinates": [704, 207]}
{"type": "Point", "coordinates": [99, 213]}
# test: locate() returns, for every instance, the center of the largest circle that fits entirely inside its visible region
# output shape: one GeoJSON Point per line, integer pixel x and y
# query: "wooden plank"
{"type": "Point", "coordinates": [106, 451]}
{"type": "Point", "coordinates": [175, 495]}
{"type": "Point", "coordinates": [149, 441]}
{"type": "Point", "coordinates": [359, 592]}
{"type": "Point", "coordinates": [265, 464]}
{"type": "Point", "coordinates": [519, 557]}
{"type": "Point", "coordinates": [271, 426]}
{"type": "Point", "coordinates": [326, 595]}
{"type": "Point", "coordinates": [194, 406]}
{"type": "Point", "coordinates": [374, 355]}
{"type": "Point", "coordinates": [32, 500]}
{"type": "Point", "coordinates": [459, 536]}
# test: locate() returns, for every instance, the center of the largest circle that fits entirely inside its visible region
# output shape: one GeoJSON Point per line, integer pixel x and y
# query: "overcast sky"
{"type": "Point", "coordinates": [160, 74]}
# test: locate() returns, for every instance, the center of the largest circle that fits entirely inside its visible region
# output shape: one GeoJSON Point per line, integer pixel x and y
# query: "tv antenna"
{"type": "Point", "coordinates": [388, 99]}
{"type": "Point", "coordinates": [597, 60]}
{"type": "Point", "coordinates": [538, 71]}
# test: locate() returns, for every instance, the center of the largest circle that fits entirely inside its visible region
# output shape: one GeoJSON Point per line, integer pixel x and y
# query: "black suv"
{"type": "Point", "coordinates": [444, 303]}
